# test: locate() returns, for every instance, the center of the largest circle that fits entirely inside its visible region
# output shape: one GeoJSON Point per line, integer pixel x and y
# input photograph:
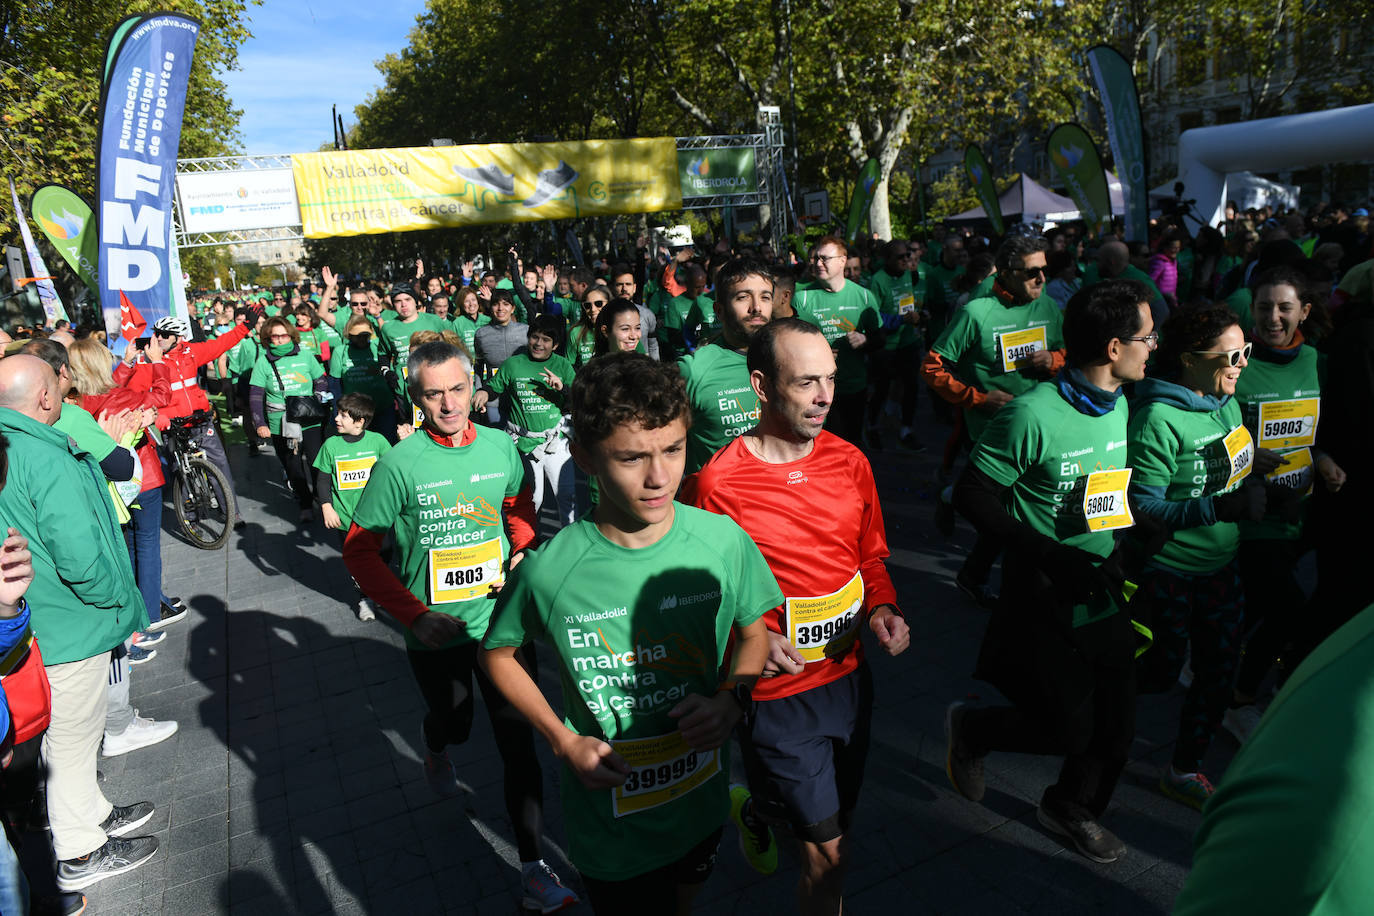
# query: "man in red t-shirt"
{"type": "Point", "coordinates": [809, 501]}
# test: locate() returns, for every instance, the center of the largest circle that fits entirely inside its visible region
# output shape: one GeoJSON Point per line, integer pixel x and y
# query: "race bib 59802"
{"type": "Point", "coordinates": [1104, 500]}
{"type": "Point", "coordinates": [825, 626]}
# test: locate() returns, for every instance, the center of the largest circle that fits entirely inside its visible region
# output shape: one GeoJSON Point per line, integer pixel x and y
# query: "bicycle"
{"type": "Point", "coordinates": [202, 497]}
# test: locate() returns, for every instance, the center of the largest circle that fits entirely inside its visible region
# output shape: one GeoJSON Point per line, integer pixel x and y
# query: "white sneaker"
{"type": "Point", "coordinates": [1241, 721]}
{"type": "Point", "coordinates": [140, 733]}
{"type": "Point", "coordinates": [365, 611]}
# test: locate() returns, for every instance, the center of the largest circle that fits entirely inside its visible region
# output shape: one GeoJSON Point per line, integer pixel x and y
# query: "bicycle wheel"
{"type": "Point", "coordinates": [204, 505]}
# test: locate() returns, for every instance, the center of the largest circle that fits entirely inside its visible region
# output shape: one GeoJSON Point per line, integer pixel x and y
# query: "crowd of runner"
{"type": "Point", "coordinates": [1148, 438]}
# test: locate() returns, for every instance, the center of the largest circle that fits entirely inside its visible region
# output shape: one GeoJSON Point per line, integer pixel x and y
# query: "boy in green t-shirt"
{"type": "Point", "coordinates": [638, 603]}
{"type": "Point", "coordinates": [342, 469]}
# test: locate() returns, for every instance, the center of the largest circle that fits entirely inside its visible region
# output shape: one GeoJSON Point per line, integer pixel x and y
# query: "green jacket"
{"type": "Point", "coordinates": [83, 596]}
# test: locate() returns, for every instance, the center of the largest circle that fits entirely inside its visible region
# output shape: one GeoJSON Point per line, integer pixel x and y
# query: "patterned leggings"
{"type": "Point", "coordinates": [1207, 609]}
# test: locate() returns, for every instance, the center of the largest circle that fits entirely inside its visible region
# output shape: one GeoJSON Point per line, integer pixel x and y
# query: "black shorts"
{"type": "Point", "coordinates": [630, 897]}
{"type": "Point", "coordinates": [805, 755]}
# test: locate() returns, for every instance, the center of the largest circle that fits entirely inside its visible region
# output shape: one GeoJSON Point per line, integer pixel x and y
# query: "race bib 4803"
{"type": "Point", "coordinates": [464, 573]}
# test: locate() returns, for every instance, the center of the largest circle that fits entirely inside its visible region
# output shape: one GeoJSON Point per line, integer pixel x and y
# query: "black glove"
{"type": "Point", "coordinates": [1243, 505]}
{"type": "Point", "coordinates": [1074, 574]}
{"type": "Point", "coordinates": [1286, 502]}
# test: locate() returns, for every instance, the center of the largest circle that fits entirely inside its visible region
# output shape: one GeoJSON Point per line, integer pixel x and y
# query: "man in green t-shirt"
{"type": "Point", "coordinates": [995, 348]}
{"type": "Point", "coordinates": [723, 401]}
{"type": "Point", "coordinates": [532, 385]}
{"type": "Point", "coordinates": [682, 314]}
{"type": "Point", "coordinates": [453, 495]}
{"type": "Point", "coordinates": [395, 332]}
{"type": "Point", "coordinates": [847, 315]}
{"type": "Point", "coordinates": [638, 603]}
{"type": "Point", "coordinates": [900, 288]}
{"type": "Point", "coordinates": [1048, 479]}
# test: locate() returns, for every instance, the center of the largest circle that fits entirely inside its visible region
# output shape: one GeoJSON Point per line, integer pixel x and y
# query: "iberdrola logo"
{"type": "Point", "coordinates": [66, 226]}
{"type": "Point", "coordinates": [868, 184]}
{"type": "Point", "coordinates": [976, 172]}
{"type": "Point", "coordinates": [700, 167]}
{"type": "Point", "coordinates": [1066, 157]}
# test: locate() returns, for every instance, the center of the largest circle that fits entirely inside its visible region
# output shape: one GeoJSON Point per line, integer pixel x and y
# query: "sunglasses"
{"type": "Point", "coordinates": [1029, 272]}
{"type": "Point", "coordinates": [1233, 357]}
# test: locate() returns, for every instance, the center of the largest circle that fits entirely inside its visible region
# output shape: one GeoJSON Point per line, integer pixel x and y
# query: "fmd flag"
{"type": "Point", "coordinates": [1075, 158]}
{"type": "Point", "coordinates": [862, 199]}
{"type": "Point", "coordinates": [980, 176]}
{"type": "Point", "coordinates": [140, 129]}
{"type": "Point", "coordinates": [1121, 103]}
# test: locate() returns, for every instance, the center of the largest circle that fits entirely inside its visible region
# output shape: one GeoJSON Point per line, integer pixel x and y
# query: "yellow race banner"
{"type": "Point", "coordinates": [360, 192]}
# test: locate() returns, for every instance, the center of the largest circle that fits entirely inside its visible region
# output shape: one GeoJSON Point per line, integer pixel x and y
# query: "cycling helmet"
{"type": "Point", "coordinates": [170, 324]}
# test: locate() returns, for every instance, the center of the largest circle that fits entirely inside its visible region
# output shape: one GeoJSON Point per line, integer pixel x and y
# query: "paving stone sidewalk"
{"type": "Point", "coordinates": [294, 784]}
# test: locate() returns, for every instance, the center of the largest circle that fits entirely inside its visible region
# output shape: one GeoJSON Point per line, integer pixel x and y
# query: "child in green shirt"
{"type": "Point", "coordinates": [342, 469]}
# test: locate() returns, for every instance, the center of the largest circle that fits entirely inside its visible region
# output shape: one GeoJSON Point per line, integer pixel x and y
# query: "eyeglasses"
{"type": "Point", "coordinates": [821, 258]}
{"type": "Point", "coordinates": [1233, 357]}
{"type": "Point", "coordinates": [1029, 272]}
{"type": "Point", "coordinates": [1150, 340]}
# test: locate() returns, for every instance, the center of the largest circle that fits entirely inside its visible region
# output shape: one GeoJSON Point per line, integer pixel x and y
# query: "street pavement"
{"type": "Point", "coordinates": [294, 784]}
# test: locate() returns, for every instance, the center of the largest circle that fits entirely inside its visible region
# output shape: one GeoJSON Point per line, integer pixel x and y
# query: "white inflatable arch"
{"type": "Point", "coordinates": [1206, 154]}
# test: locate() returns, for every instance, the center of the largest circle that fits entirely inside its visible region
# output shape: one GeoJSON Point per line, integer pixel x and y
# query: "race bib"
{"type": "Point", "coordinates": [352, 473]}
{"type": "Point", "coordinates": [464, 573]}
{"type": "Point", "coordinates": [826, 626]}
{"type": "Point", "coordinates": [1289, 424]}
{"type": "Point", "coordinates": [1240, 450]}
{"type": "Point", "coordinates": [1104, 500]}
{"type": "Point", "coordinates": [906, 304]}
{"type": "Point", "coordinates": [1296, 474]}
{"type": "Point", "coordinates": [663, 768]}
{"type": "Point", "coordinates": [1019, 346]}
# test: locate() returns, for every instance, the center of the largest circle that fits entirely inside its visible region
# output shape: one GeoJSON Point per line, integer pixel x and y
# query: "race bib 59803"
{"type": "Point", "coordinates": [1289, 424]}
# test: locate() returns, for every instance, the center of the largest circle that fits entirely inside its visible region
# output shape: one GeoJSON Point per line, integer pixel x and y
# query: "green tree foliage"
{"type": "Point", "coordinates": [52, 55]}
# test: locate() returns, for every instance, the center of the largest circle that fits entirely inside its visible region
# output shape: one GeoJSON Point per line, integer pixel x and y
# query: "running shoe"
{"type": "Point", "coordinates": [488, 176]}
{"type": "Point", "coordinates": [1193, 789]}
{"type": "Point", "coordinates": [541, 890]}
{"type": "Point", "coordinates": [912, 444]}
{"type": "Point", "coordinates": [140, 732]}
{"type": "Point", "coordinates": [550, 183]}
{"type": "Point", "coordinates": [171, 610]}
{"type": "Point", "coordinates": [1241, 721]}
{"type": "Point", "coordinates": [964, 769]}
{"type": "Point", "coordinates": [439, 771]}
{"type": "Point", "coordinates": [1088, 836]}
{"type": "Point", "coordinates": [148, 637]}
{"type": "Point", "coordinates": [944, 515]}
{"type": "Point", "coordinates": [125, 819]}
{"type": "Point", "coordinates": [365, 610]}
{"type": "Point", "coordinates": [116, 857]}
{"type": "Point", "coordinates": [755, 837]}
{"type": "Point", "coordinates": [138, 655]}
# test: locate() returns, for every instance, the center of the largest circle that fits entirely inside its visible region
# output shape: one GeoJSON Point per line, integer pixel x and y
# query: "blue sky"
{"type": "Point", "coordinates": [306, 56]}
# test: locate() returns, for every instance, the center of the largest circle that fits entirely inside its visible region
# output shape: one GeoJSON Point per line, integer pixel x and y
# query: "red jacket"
{"type": "Point", "coordinates": [119, 399]}
{"type": "Point", "coordinates": [182, 364]}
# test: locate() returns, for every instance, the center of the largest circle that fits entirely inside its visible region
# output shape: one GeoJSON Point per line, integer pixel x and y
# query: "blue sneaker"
{"type": "Point", "coordinates": [138, 655]}
{"type": "Point", "coordinates": [146, 638]}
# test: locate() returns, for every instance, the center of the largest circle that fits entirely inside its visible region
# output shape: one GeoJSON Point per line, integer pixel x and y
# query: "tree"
{"type": "Point", "coordinates": [52, 56]}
